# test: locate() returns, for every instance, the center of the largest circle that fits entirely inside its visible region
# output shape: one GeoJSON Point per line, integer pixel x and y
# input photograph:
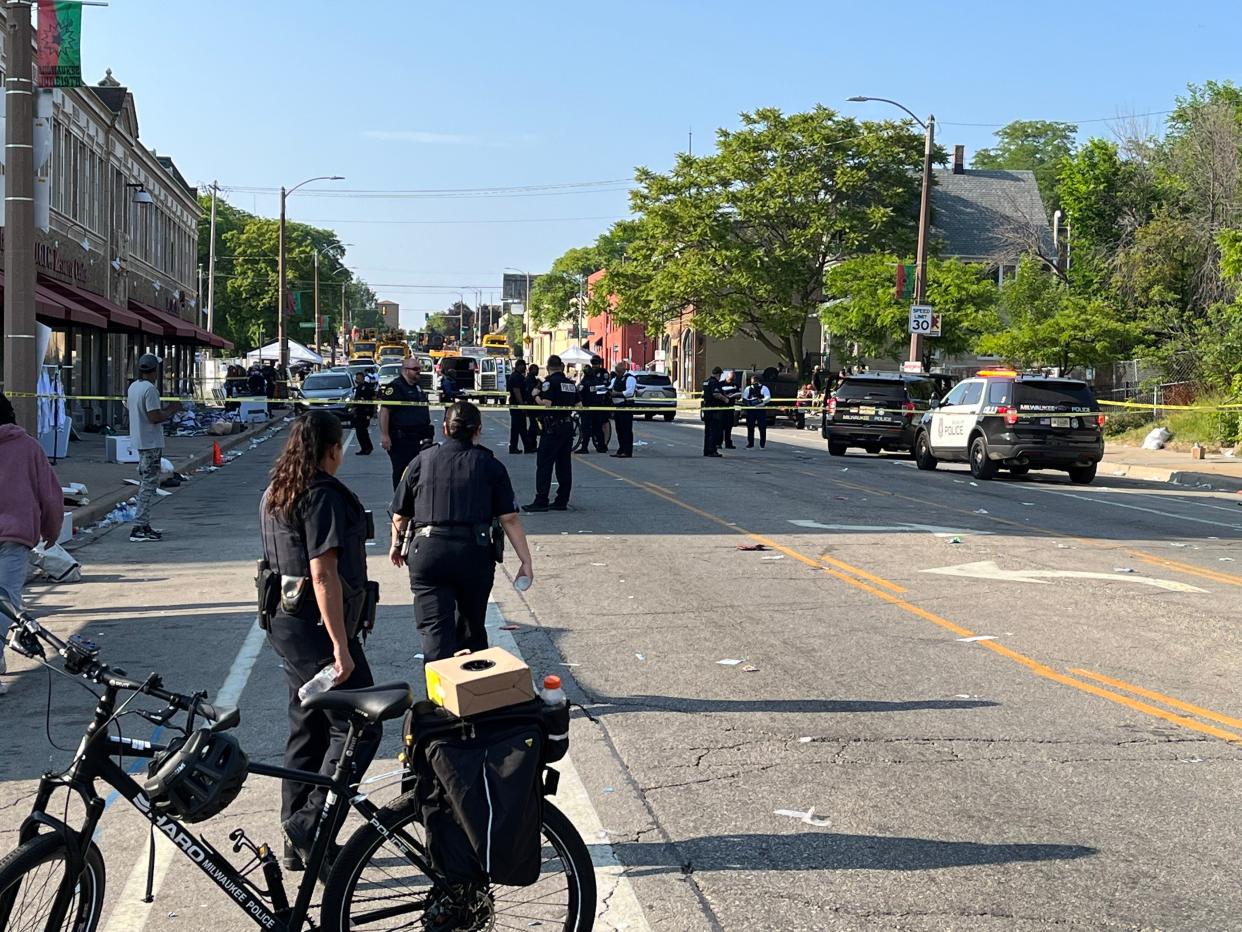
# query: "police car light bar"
{"type": "Point", "coordinates": [999, 373]}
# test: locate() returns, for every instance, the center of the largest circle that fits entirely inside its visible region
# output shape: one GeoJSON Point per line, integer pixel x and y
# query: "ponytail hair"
{"type": "Point", "coordinates": [310, 438]}
{"type": "Point", "coordinates": [461, 420]}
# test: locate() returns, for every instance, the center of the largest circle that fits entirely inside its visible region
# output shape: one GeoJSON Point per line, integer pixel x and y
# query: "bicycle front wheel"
{"type": "Point", "coordinates": [33, 875]}
{"type": "Point", "coordinates": [375, 886]}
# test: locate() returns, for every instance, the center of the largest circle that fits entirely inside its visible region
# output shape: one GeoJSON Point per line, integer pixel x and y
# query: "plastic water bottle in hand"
{"type": "Point", "coordinates": [321, 682]}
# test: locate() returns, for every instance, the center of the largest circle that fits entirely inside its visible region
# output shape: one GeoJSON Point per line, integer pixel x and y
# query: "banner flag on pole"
{"type": "Point", "coordinates": [905, 282]}
{"type": "Point", "coordinates": [59, 48]}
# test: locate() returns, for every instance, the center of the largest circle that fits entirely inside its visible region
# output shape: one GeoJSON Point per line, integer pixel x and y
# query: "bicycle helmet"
{"type": "Point", "coordinates": [197, 776]}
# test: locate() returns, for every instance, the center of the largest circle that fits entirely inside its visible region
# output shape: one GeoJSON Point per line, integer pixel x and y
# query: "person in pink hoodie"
{"type": "Point", "coordinates": [31, 509]}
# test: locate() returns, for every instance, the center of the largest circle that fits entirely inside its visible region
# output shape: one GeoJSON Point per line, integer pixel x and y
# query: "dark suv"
{"type": "Point", "coordinates": [876, 411]}
{"type": "Point", "coordinates": [1002, 419]}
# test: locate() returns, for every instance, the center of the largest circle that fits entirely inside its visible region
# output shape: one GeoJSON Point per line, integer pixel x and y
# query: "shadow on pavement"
{"type": "Point", "coordinates": [611, 705]}
{"type": "Point", "coordinates": [826, 850]}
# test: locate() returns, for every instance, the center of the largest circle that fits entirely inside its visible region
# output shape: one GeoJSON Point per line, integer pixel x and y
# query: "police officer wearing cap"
{"type": "Point", "coordinates": [558, 394]}
{"type": "Point", "coordinates": [405, 426]}
{"type": "Point", "coordinates": [593, 388]}
{"type": "Point", "coordinates": [442, 517]}
{"type": "Point", "coordinates": [732, 391]}
{"type": "Point", "coordinates": [315, 602]}
{"type": "Point", "coordinates": [621, 391]}
{"type": "Point", "coordinates": [712, 402]}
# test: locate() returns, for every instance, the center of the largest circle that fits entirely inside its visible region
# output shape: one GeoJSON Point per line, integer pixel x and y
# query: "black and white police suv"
{"type": "Point", "coordinates": [876, 411]}
{"type": "Point", "coordinates": [1002, 419]}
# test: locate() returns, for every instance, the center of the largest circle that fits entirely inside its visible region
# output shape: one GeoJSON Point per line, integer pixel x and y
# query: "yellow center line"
{"type": "Point", "coordinates": [1160, 697]}
{"type": "Point", "coordinates": [1039, 669]}
{"type": "Point", "coordinates": [1214, 575]}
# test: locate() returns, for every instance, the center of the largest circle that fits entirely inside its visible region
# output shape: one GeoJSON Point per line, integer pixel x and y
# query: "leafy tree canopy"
{"type": "Point", "coordinates": [1039, 146]}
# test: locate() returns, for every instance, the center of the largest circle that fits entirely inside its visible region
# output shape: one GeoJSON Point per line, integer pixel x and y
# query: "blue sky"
{"type": "Point", "coordinates": [411, 95]}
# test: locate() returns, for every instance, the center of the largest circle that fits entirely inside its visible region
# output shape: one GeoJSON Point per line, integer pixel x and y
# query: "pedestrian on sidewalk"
{"type": "Point", "coordinates": [621, 391]}
{"type": "Point", "coordinates": [147, 415]}
{"type": "Point", "coordinates": [31, 509]}
{"type": "Point", "coordinates": [754, 399]}
{"type": "Point", "coordinates": [364, 391]}
{"type": "Point", "coordinates": [443, 515]}
{"type": "Point", "coordinates": [314, 543]}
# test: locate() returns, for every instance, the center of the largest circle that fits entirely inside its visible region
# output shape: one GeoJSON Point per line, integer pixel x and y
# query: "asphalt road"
{"type": "Point", "coordinates": [1008, 705]}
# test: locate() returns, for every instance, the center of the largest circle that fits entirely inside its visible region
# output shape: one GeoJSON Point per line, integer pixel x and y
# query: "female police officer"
{"type": "Point", "coordinates": [446, 502]}
{"type": "Point", "coordinates": [314, 545]}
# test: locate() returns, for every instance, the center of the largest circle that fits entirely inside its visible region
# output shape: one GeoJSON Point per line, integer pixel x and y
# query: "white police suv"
{"type": "Point", "coordinates": [1003, 419]}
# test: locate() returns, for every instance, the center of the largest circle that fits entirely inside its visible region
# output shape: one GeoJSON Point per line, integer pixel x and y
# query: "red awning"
{"type": "Point", "coordinates": [117, 316]}
{"type": "Point", "coordinates": [51, 308]}
{"type": "Point", "coordinates": [173, 326]}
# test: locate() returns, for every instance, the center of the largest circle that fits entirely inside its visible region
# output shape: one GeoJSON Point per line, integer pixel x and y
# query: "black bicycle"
{"type": "Point", "coordinates": [382, 879]}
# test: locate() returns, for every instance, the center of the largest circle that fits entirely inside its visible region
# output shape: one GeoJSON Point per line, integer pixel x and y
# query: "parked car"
{"type": "Point", "coordinates": [330, 391]}
{"type": "Point", "coordinates": [389, 371]}
{"type": "Point", "coordinates": [655, 391]}
{"type": "Point", "coordinates": [1002, 419]}
{"type": "Point", "coordinates": [876, 411]}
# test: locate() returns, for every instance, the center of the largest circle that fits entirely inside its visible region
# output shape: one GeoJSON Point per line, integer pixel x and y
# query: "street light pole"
{"type": "Point", "coordinates": [920, 257]}
{"type": "Point", "coordinates": [21, 367]}
{"type": "Point", "coordinates": [282, 327]}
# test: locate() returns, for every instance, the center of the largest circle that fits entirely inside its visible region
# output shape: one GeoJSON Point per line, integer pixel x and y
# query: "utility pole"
{"type": "Point", "coordinates": [20, 345]}
{"type": "Point", "coordinates": [316, 300]}
{"type": "Point", "coordinates": [920, 257]}
{"type": "Point", "coordinates": [211, 263]}
{"type": "Point", "coordinates": [282, 333]}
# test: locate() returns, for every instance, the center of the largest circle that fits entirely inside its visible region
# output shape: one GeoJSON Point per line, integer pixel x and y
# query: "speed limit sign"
{"type": "Point", "coordinates": [921, 319]}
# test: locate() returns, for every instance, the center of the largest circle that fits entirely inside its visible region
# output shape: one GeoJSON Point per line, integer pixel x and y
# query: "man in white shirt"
{"type": "Point", "coordinates": [754, 399]}
{"type": "Point", "coordinates": [147, 415]}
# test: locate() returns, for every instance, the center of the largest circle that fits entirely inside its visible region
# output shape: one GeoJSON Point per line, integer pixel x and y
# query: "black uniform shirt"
{"type": "Point", "coordinates": [710, 388]}
{"type": "Point", "coordinates": [454, 483]}
{"type": "Point", "coordinates": [595, 388]}
{"type": "Point", "coordinates": [364, 391]}
{"type": "Point", "coordinates": [559, 390]}
{"type": "Point", "coordinates": [327, 516]}
{"type": "Point", "coordinates": [516, 385]}
{"type": "Point", "coordinates": [405, 417]}
{"type": "Point", "coordinates": [731, 390]}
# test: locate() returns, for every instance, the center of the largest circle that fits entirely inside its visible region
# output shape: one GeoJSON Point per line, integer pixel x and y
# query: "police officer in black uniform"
{"type": "Point", "coordinates": [621, 391]}
{"type": "Point", "coordinates": [713, 400]}
{"type": "Point", "coordinates": [364, 391]}
{"type": "Point", "coordinates": [593, 388]}
{"type": "Point", "coordinates": [558, 394]}
{"type": "Point", "coordinates": [315, 605]}
{"type": "Point", "coordinates": [442, 514]}
{"type": "Point", "coordinates": [732, 391]}
{"type": "Point", "coordinates": [518, 401]}
{"type": "Point", "coordinates": [404, 427]}
{"type": "Point", "coordinates": [532, 418]}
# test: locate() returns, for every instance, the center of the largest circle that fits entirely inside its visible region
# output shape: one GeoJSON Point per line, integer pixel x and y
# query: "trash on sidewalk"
{"type": "Point", "coordinates": [74, 493]}
{"type": "Point", "coordinates": [54, 563]}
{"type": "Point", "coordinates": [1123, 569]}
{"type": "Point", "coordinates": [978, 637]}
{"type": "Point", "coordinates": [981, 511]}
{"type": "Point", "coordinates": [639, 656]}
{"type": "Point", "coordinates": [753, 547]}
{"type": "Point", "coordinates": [750, 668]}
{"type": "Point", "coordinates": [807, 817]}
{"type": "Point", "coordinates": [779, 556]}
{"type": "Point", "coordinates": [955, 540]}
{"type": "Point", "coordinates": [728, 662]}
{"type": "Point", "coordinates": [1156, 439]}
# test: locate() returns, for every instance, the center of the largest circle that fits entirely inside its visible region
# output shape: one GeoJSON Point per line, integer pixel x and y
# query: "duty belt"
{"type": "Point", "coordinates": [475, 532]}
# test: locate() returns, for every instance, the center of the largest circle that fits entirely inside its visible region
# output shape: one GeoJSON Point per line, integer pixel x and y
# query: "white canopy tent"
{"type": "Point", "coordinates": [297, 353]}
{"type": "Point", "coordinates": [575, 356]}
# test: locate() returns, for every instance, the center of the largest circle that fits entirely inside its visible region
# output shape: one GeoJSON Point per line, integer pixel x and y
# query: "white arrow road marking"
{"type": "Point", "coordinates": [889, 528]}
{"type": "Point", "coordinates": [987, 569]}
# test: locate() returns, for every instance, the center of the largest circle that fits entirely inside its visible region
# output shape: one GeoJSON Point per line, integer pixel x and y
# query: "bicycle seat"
{"type": "Point", "coordinates": [375, 703]}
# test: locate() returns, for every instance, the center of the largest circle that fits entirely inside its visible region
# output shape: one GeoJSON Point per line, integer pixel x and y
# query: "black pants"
{"type": "Point", "coordinates": [451, 579]}
{"type": "Point", "coordinates": [519, 432]}
{"type": "Point", "coordinates": [711, 432]}
{"type": "Point", "coordinates": [598, 420]}
{"type": "Point", "coordinates": [555, 451]}
{"type": "Point", "coordinates": [316, 738]}
{"type": "Point", "coordinates": [756, 418]}
{"type": "Point", "coordinates": [624, 419]}
{"type": "Point", "coordinates": [406, 443]}
{"type": "Point", "coordinates": [728, 418]}
{"type": "Point", "coordinates": [532, 431]}
{"type": "Point", "coordinates": [362, 431]}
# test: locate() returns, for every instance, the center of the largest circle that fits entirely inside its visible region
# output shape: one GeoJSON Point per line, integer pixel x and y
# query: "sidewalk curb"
{"type": "Point", "coordinates": [1215, 481]}
{"type": "Point", "coordinates": [98, 507]}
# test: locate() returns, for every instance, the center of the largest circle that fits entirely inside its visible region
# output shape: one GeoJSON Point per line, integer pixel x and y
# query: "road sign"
{"type": "Point", "coordinates": [306, 324]}
{"type": "Point", "coordinates": [924, 320]}
{"type": "Point", "coordinates": [912, 365]}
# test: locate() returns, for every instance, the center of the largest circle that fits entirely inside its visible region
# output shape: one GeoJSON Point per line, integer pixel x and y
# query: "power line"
{"type": "Point", "coordinates": [1123, 116]}
{"type": "Point", "coordinates": [454, 222]}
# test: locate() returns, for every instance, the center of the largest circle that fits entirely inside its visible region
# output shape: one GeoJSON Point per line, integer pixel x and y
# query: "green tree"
{"type": "Point", "coordinates": [862, 308]}
{"type": "Point", "coordinates": [1039, 146]}
{"type": "Point", "coordinates": [742, 237]}
{"type": "Point", "coordinates": [1044, 322]}
{"type": "Point", "coordinates": [553, 294]}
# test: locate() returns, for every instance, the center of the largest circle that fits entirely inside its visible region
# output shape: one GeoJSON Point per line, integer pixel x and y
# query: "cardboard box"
{"type": "Point", "coordinates": [472, 683]}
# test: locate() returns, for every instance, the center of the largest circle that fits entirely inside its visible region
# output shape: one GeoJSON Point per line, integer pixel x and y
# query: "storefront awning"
{"type": "Point", "coordinates": [52, 309]}
{"type": "Point", "coordinates": [117, 317]}
{"type": "Point", "coordinates": [173, 326]}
